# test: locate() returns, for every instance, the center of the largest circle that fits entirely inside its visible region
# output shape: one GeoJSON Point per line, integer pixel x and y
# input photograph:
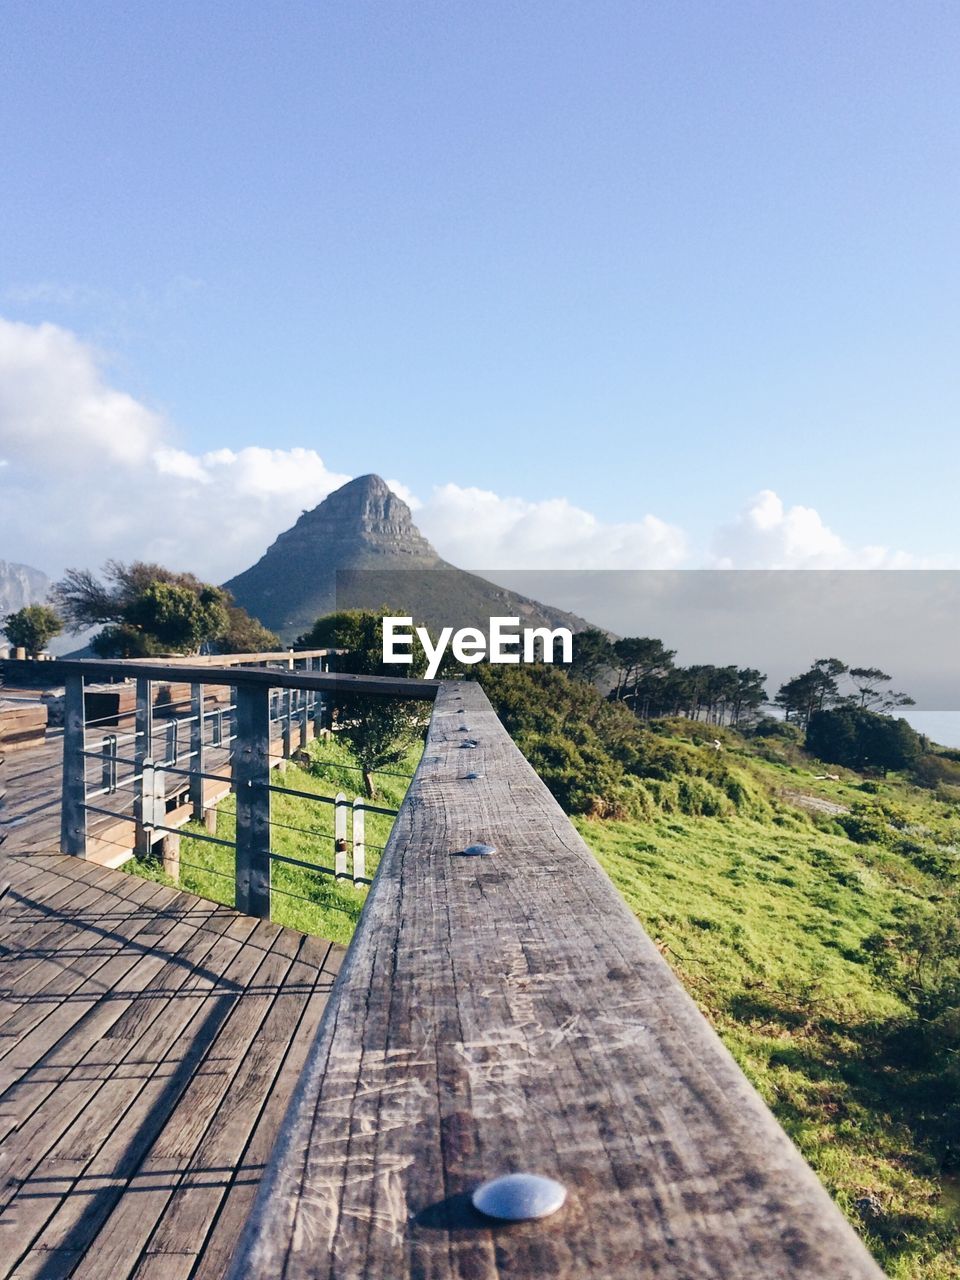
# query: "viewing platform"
{"type": "Point", "coordinates": [175, 1106]}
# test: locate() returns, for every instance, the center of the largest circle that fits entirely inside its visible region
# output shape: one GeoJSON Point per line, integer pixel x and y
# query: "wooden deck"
{"type": "Point", "coordinates": [149, 1045]}
{"type": "Point", "coordinates": [495, 1015]}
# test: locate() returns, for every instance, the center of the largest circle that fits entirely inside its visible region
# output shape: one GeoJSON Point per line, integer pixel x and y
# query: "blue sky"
{"type": "Point", "coordinates": [639, 259]}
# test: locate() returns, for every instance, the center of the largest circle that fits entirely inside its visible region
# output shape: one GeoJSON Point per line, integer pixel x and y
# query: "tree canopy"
{"type": "Point", "coordinates": [32, 627]}
{"type": "Point", "coordinates": [860, 739]}
{"type": "Point", "coordinates": [148, 610]}
{"type": "Point", "coordinates": [378, 730]}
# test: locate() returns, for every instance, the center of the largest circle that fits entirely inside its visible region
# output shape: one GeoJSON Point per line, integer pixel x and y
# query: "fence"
{"type": "Point", "coordinates": [151, 767]}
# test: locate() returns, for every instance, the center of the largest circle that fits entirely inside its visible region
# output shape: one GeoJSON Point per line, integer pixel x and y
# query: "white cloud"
{"type": "Point", "coordinates": [56, 406]}
{"type": "Point", "coordinates": [479, 529]}
{"type": "Point", "coordinates": [768, 535]}
{"type": "Point", "coordinates": [88, 472]}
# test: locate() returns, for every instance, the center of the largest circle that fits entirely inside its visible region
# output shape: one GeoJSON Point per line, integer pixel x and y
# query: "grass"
{"type": "Point", "coordinates": [313, 902]}
{"type": "Point", "coordinates": [762, 919]}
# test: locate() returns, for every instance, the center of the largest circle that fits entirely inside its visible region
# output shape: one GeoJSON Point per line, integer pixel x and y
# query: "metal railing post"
{"type": "Point", "coordinates": [73, 813]}
{"type": "Point", "coordinates": [171, 755]}
{"type": "Point", "coordinates": [304, 720]}
{"type": "Point", "coordinates": [359, 847]}
{"type": "Point", "coordinates": [341, 805]}
{"type": "Point", "coordinates": [108, 768]}
{"type": "Point", "coordinates": [197, 751]}
{"type": "Point", "coordinates": [251, 782]}
{"type": "Point", "coordinates": [287, 722]}
{"type": "Point", "coordinates": [142, 751]}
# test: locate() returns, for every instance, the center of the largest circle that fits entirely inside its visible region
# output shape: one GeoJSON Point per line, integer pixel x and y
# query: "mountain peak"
{"type": "Point", "coordinates": [367, 512]}
{"type": "Point", "coordinates": [370, 484]}
{"type": "Point", "coordinates": [351, 551]}
{"type": "Point", "coordinates": [363, 525]}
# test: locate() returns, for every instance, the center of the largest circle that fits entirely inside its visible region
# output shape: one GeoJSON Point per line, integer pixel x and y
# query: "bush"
{"type": "Point", "coordinates": [701, 799]}
{"type": "Point", "coordinates": [865, 825]}
{"type": "Point", "coordinates": [935, 770]}
{"type": "Point", "coordinates": [771, 727]}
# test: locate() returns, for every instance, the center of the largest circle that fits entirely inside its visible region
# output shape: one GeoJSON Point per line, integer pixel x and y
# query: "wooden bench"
{"type": "Point", "coordinates": [22, 724]}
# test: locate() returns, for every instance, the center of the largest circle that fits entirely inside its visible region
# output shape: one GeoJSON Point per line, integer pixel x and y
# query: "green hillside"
{"type": "Point", "coordinates": [795, 940]}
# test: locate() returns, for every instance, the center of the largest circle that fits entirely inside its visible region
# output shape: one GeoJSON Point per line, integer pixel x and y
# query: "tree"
{"type": "Point", "coordinates": [860, 739]}
{"type": "Point", "coordinates": [812, 690]}
{"type": "Point", "coordinates": [593, 655]}
{"type": "Point", "coordinates": [245, 634]}
{"type": "Point", "coordinates": [871, 698]}
{"type": "Point", "coordinates": [750, 694]}
{"type": "Point", "coordinates": [149, 610]}
{"type": "Point", "coordinates": [379, 730]}
{"type": "Point", "coordinates": [32, 627]}
{"type": "Point", "coordinates": [641, 662]}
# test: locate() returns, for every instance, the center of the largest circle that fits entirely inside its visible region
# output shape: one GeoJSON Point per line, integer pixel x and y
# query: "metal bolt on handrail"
{"type": "Point", "coordinates": [519, 1197]}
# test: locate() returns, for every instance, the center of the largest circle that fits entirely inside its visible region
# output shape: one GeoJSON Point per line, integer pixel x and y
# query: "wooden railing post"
{"type": "Point", "coordinates": [73, 813]}
{"type": "Point", "coordinates": [142, 751]}
{"type": "Point", "coordinates": [251, 781]}
{"type": "Point", "coordinates": [359, 846]}
{"type": "Point", "coordinates": [197, 751]}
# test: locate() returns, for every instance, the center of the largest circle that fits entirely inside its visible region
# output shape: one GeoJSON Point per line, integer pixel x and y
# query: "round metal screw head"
{"type": "Point", "coordinates": [518, 1197]}
{"type": "Point", "coordinates": [480, 850]}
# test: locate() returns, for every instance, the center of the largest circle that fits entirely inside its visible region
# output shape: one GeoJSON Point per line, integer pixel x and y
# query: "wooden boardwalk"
{"type": "Point", "coordinates": [149, 1044]}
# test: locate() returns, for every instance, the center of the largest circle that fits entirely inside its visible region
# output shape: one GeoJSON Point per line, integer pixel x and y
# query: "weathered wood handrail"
{"type": "Point", "coordinates": [507, 1013]}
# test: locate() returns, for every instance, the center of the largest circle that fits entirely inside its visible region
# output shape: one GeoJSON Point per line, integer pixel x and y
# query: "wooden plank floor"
{"type": "Point", "coordinates": [149, 1044]}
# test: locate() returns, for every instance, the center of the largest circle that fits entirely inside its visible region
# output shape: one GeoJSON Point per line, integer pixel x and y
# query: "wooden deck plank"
{"type": "Point", "coordinates": [235, 1206]}
{"type": "Point", "coordinates": [123, 1235]}
{"type": "Point", "coordinates": [103, 1047]}
{"type": "Point", "coordinates": [189, 1215]}
{"type": "Point", "coordinates": [164, 1062]}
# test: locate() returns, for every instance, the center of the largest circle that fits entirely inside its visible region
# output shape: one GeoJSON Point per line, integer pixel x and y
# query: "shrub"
{"type": "Point", "coordinates": [864, 825]}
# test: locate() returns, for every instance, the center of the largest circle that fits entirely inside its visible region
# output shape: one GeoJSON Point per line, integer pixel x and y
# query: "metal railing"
{"type": "Point", "coordinates": [157, 765]}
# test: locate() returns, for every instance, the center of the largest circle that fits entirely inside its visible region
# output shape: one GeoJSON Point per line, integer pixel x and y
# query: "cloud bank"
{"type": "Point", "coordinates": [87, 472]}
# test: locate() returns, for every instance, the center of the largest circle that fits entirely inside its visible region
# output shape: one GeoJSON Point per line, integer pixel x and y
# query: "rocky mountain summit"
{"type": "Point", "coordinates": [21, 585]}
{"type": "Point", "coordinates": [361, 549]}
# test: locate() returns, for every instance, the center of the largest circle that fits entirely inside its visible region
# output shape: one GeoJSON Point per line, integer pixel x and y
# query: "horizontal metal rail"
{"type": "Point", "coordinates": [252, 678]}
{"type": "Point", "coordinates": [310, 795]}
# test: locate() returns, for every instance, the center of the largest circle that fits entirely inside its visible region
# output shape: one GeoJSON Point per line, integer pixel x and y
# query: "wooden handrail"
{"type": "Point", "coordinates": [507, 1013]}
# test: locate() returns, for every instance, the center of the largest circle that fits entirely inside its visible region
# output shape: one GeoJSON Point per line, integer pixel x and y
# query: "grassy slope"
{"type": "Point", "coordinates": [315, 903]}
{"type": "Point", "coordinates": [763, 920]}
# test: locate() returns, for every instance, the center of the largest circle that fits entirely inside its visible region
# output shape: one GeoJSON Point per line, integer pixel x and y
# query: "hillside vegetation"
{"type": "Point", "coordinates": [804, 920]}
